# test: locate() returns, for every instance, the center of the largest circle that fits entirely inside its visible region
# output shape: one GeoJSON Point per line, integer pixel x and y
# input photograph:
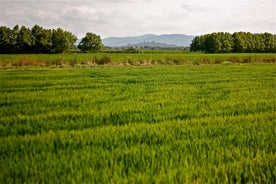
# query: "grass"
{"type": "Point", "coordinates": [76, 59]}
{"type": "Point", "coordinates": [150, 124]}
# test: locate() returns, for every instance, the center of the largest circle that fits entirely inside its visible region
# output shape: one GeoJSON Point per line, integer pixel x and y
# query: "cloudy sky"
{"type": "Point", "coordinates": [137, 17]}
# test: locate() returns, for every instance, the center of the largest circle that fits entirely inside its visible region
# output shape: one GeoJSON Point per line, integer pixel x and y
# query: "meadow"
{"type": "Point", "coordinates": [186, 123]}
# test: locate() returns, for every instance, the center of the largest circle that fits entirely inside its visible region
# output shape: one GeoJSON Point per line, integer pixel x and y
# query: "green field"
{"type": "Point", "coordinates": [138, 124]}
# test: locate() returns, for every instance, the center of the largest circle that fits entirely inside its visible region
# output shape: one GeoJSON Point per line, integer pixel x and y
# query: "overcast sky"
{"type": "Point", "coordinates": [137, 17]}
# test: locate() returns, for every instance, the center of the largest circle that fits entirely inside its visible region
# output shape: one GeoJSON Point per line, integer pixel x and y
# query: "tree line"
{"type": "Point", "coordinates": [238, 42]}
{"type": "Point", "coordinates": [35, 40]}
{"type": "Point", "coordinates": [40, 40]}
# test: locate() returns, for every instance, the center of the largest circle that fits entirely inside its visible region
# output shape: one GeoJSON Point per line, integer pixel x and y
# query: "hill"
{"type": "Point", "coordinates": [151, 44]}
{"type": "Point", "coordinates": [178, 40]}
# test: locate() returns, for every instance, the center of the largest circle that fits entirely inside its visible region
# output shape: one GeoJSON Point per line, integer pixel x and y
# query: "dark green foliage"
{"type": "Point", "coordinates": [24, 41]}
{"type": "Point", "coordinates": [42, 39]}
{"type": "Point", "coordinates": [91, 42]}
{"type": "Point", "coordinates": [62, 40]}
{"type": "Point", "coordinates": [197, 44]}
{"type": "Point", "coordinates": [35, 40]}
{"type": "Point", "coordinates": [238, 42]}
{"type": "Point", "coordinates": [7, 40]}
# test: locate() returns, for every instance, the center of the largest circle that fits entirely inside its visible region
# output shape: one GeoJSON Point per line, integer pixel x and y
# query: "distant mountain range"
{"type": "Point", "coordinates": [165, 40]}
{"type": "Point", "coordinates": [152, 44]}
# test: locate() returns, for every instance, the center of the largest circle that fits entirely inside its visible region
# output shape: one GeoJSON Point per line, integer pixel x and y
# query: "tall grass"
{"type": "Point", "coordinates": [77, 59]}
{"type": "Point", "coordinates": [150, 124]}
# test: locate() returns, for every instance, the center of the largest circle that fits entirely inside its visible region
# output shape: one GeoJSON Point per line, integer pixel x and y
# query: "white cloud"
{"type": "Point", "coordinates": [135, 17]}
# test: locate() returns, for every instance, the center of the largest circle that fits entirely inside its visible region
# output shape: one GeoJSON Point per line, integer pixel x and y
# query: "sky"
{"type": "Point", "coordinates": [138, 17]}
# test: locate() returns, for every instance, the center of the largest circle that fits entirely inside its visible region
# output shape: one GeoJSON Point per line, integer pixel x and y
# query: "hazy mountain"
{"type": "Point", "coordinates": [171, 39]}
{"type": "Point", "coordinates": [152, 44]}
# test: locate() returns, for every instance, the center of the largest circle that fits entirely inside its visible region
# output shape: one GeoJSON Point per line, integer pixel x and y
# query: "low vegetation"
{"type": "Point", "coordinates": [150, 124]}
{"type": "Point", "coordinates": [137, 58]}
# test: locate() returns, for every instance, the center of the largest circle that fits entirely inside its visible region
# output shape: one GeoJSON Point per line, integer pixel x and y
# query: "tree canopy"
{"type": "Point", "coordinates": [239, 42]}
{"type": "Point", "coordinates": [35, 40]}
{"type": "Point", "coordinates": [91, 42]}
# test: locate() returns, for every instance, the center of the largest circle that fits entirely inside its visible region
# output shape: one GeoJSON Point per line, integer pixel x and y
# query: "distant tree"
{"type": "Point", "coordinates": [42, 39]}
{"type": "Point", "coordinates": [5, 39]}
{"type": "Point", "coordinates": [62, 40]}
{"type": "Point", "coordinates": [24, 40]}
{"type": "Point", "coordinates": [241, 42]}
{"type": "Point", "coordinates": [227, 42]}
{"type": "Point", "coordinates": [91, 42]}
{"type": "Point", "coordinates": [250, 43]}
{"type": "Point", "coordinates": [8, 39]}
{"type": "Point", "coordinates": [13, 39]}
{"type": "Point", "coordinates": [270, 42]}
{"type": "Point", "coordinates": [260, 46]}
{"type": "Point", "coordinates": [197, 44]}
{"type": "Point", "coordinates": [212, 43]}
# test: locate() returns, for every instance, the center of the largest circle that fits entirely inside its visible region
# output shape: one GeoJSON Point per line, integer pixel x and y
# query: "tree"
{"type": "Point", "coordinates": [24, 40]}
{"type": "Point", "coordinates": [227, 42]}
{"type": "Point", "coordinates": [197, 44]}
{"type": "Point", "coordinates": [212, 43]}
{"type": "Point", "coordinates": [62, 40]}
{"type": "Point", "coordinates": [42, 39]}
{"type": "Point", "coordinates": [270, 42]}
{"type": "Point", "coordinates": [5, 39]}
{"type": "Point", "coordinates": [13, 39]}
{"type": "Point", "coordinates": [91, 42]}
{"type": "Point", "coordinates": [241, 42]}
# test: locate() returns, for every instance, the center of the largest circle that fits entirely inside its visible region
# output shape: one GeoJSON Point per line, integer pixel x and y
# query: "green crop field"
{"type": "Point", "coordinates": [137, 124]}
